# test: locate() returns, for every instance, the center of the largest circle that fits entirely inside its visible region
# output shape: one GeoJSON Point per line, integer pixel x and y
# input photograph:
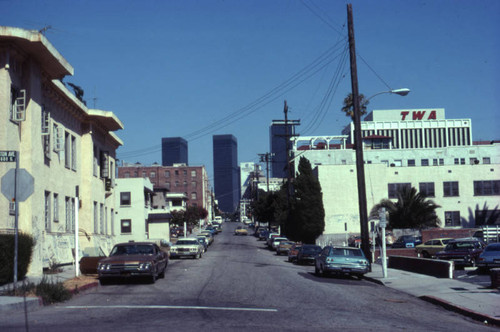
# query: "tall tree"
{"type": "Point", "coordinates": [412, 210]}
{"type": "Point", "coordinates": [348, 107]}
{"type": "Point", "coordinates": [307, 214]}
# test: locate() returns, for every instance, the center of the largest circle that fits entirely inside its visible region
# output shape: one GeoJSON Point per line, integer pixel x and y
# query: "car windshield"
{"type": "Point", "coordinates": [493, 247]}
{"type": "Point", "coordinates": [446, 241]}
{"type": "Point", "coordinates": [132, 250]}
{"type": "Point", "coordinates": [459, 246]}
{"type": "Point", "coordinates": [188, 242]}
{"type": "Point", "coordinates": [347, 252]}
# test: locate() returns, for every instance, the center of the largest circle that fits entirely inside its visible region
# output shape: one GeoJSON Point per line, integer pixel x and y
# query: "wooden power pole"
{"type": "Point", "coordinates": [360, 170]}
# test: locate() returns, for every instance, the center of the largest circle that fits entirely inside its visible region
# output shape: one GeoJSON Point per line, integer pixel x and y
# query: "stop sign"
{"type": "Point", "coordinates": [25, 184]}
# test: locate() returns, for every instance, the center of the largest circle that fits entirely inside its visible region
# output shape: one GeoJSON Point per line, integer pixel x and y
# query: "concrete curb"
{"type": "Point", "coordinates": [83, 288]}
{"type": "Point", "coordinates": [17, 303]}
{"type": "Point", "coordinates": [463, 311]}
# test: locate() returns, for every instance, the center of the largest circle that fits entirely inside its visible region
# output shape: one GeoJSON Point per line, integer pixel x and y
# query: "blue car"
{"type": "Point", "coordinates": [407, 241]}
{"type": "Point", "coordinates": [341, 260]}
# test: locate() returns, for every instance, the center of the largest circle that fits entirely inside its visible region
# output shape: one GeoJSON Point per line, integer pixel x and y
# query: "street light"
{"type": "Point", "coordinates": [401, 92]}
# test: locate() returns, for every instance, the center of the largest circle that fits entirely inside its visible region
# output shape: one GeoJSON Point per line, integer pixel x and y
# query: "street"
{"type": "Point", "coordinates": [239, 285]}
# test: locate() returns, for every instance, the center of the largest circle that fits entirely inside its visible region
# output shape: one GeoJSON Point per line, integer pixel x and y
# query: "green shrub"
{"type": "Point", "coordinates": [24, 252]}
{"type": "Point", "coordinates": [52, 292]}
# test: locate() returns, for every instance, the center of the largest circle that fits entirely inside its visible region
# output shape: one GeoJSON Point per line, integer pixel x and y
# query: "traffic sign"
{"type": "Point", "coordinates": [7, 156]}
{"type": "Point", "coordinates": [25, 184]}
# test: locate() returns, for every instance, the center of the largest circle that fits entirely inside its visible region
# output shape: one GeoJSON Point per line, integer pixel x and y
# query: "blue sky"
{"type": "Point", "coordinates": [198, 68]}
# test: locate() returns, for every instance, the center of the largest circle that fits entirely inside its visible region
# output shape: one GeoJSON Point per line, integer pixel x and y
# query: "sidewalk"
{"type": "Point", "coordinates": [18, 302]}
{"type": "Point", "coordinates": [468, 299]}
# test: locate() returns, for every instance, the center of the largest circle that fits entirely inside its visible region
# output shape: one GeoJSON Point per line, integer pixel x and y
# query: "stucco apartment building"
{"type": "Point", "coordinates": [192, 181]}
{"type": "Point", "coordinates": [417, 148]}
{"type": "Point", "coordinates": [68, 148]}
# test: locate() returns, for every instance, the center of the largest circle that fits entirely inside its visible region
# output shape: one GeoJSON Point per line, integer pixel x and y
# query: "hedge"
{"type": "Point", "coordinates": [25, 250]}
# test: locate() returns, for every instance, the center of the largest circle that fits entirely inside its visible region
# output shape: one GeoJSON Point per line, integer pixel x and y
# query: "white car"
{"type": "Point", "coordinates": [186, 247]}
{"type": "Point", "coordinates": [277, 241]}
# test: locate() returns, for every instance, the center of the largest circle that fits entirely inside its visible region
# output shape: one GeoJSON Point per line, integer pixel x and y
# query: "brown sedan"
{"type": "Point", "coordinates": [133, 259]}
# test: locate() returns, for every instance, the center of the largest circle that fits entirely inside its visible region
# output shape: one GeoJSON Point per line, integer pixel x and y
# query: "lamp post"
{"type": "Point", "coordinates": [401, 92]}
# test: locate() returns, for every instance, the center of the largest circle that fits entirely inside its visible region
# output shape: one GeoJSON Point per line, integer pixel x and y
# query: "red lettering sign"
{"type": "Point", "coordinates": [419, 115]}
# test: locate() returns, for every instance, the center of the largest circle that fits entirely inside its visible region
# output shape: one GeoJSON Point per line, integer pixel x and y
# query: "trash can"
{"type": "Point", "coordinates": [495, 278]}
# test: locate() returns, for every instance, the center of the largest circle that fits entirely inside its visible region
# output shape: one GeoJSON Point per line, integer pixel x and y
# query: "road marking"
{"type": "Point", "coordinates": [168, 307]}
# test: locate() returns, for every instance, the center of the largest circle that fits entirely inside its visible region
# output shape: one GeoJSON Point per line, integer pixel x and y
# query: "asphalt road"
{"type": "Point", "coordinates": [239, 285]}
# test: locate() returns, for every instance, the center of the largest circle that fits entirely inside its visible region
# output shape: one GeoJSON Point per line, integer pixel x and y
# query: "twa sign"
{"type": "Point", "coordinates": [419, 115]}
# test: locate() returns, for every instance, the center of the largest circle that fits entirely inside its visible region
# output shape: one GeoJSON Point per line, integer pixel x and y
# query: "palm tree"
{"type": "Point", "coordinates": [348, 107]}
{"type": "Point", "coordinates": [412, 210]}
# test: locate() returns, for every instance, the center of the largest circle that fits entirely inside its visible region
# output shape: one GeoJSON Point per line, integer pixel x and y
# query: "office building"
{"type": "Point", "coordinates": [174, 150]}
{"type": "Point", "coordinates": [226, 172]}
{"type": "Point", "coordinates": [277, 143]}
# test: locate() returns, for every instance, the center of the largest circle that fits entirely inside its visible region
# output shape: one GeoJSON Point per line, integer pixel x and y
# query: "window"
{"type": "Point", "coordinates": [193, 184]}
{"type": "Point", "coordinates": [450, 188]}
{"type": "Point", "coordinates": [473, 161]}
{"type": "Point", "coordinates": [67, 150]}
{"type": "Point", "coordinates": [394, 188]}
{"type": "Point", "coordinates": [18, 104]}
{"type": "Point", "coordinates": [167, 174]}
{"type": "Point", "coordinates": [424, 162]}
{"type": "Point", "coordinates": [176, 172]}
{"type": "Point", "coordinates": [398, 163]}
{"type": "Point", "coordinates": [57, 134]}
{"type": "Point", "coordinates": [411, 162]}
{"type": "Point", "coordinates": [112, 222]}
{"type": "Point", "coordinates": [185, 183]}
{"type": "Point", "coordinates": [96, 220]}
{"type": "Point", "coordinates": [47, 210]}
{"type": "Point", "coordinates": [426, 189]}
{"type": "Point", "coordinates": [144, 174]}
{"type": "Point", "coordinates": [104, 164]}
{"type": "Point", "coordinates": [486, 160]}
{"type": "Point", "coordinates": [487, 188]}
{"type": "Point", "coordinates": [73, 153]}
{"type": "Point", "coordinates": [101, 218]}
{"type": "Point", "coordinates": [487, 217]}
{"type": "Point", "coordinates": [56, 207]}
{"type": "Point", "coordinates": [96, 161]}
{"type": "Point", "coordinates": [193, 195]}
{"type": "Point", "coordinates": [441, 161]}
{"type": "Point", "coordinates": [456, 161]}
{"type": "Point", "coordinates": [127, 175]}
{"type": "Point", "coordinates": [386, 162]}
{"type": "Point", "coordinates": [452, 218]}
{"type": "Point", "coordinates": [126, 226]}
{"type": "Point", "coordinates": [344, 162]}
{"type": "Point", "coordinates": [125, 198]}
{"type": "Point", "coordinates": [167, 185]}
{"type": "Point", "coordinates": [45, 121]}
{"type": "Point", "coordinates": [462, 161]}
{"type": "Point", "coordinates": [434, 162]}
{"type": "Point", "coordinates": [152, 174]}
{"type": "Point", "coordinates": [193, 174]}
{"type": "Point", "coordinates": [176, 183]}
{"type": "Point", "coordinates": [184, 172]}
{"type": "Point", "coordinates": [70, 214]}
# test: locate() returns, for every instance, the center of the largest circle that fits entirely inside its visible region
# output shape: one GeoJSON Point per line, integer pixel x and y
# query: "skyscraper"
{"type": "Point", "coordinates": [277, 142]}
{"type": "Point", "coordinates": [226, 172]}
{"type": "Point", "coordinates": [174, 150]}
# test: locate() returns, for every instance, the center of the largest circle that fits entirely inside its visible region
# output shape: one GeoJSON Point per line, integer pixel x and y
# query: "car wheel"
{"type": "Point", "coordinates": [152, 279]}
{"type": "Point", "coordinates": [425, 254]}
{"type": "Point", "coordinates": [472, 262]}
{"type": "Point", "coordinates": [321, 271]}
{"type": "Point", "coordinates": [103, 281]}
{"type": "Point", "coordinates": [162, 274]}
{"type": "Point", "coordinates": [316, 270]}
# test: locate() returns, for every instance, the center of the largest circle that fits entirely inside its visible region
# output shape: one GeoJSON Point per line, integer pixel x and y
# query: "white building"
{"type": "Point", "coordinates": [68, 148]}
{"type": "Point", "coordinates": [405, 147]}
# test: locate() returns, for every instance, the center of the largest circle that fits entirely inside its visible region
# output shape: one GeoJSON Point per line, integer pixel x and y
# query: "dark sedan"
{"type": "Point", "coordinates": [307, 254]}
{"type": "Point", "coordinates": [464, 252]}
{"type": "Point", "coordinates": [133, 259]}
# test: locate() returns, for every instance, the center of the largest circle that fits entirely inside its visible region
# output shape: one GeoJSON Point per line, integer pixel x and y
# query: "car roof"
{"type": "Point", "coordinates": [134, 243]}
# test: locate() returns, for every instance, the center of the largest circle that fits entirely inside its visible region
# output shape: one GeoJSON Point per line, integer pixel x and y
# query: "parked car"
{"type": "Point", "coordinates": [133, 259]}
{"type": "Point", "coordinates": [462, 251]}
{"type": "Point", "coordinates": [208, 235]}
{"type": "Point", "coordinates": [270, 238]}
{"type": "Point", "coordinates": [284, 247]}
{"type": "Point", "coordinates": [263, 233]}
{"type": "Point", "coordinates": [186, 247]}
{"type": "Point", "coordinates": [407, 241]}
{"type": "Point", "coordinates": [294, 250]}
{"type": "Point", "coordinates": [203, 241]}
{"type": "Point", "coordinates": [240, 230]}
{"type": "Point", "coordinates": [276, 241]}
{"type": "Point", "coordinates": [341, 260]}
{"type": "Point", "coordinates": [431, 247]}
{"type": "Point", "coordinates": [307, 254]}
{"type": "Point", "coordinates": [490, 257]}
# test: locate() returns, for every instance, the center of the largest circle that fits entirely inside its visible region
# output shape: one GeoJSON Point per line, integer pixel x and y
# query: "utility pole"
{"type": "Point", "coordinates": [360, 170]}
{"type": "Point", "coordinates": [266, 157]}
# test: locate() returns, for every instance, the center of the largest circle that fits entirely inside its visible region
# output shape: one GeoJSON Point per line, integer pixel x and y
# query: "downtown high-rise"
{"type": "Point", "coordinates": [174, 150]}
{"type": "Point", "coordinates": [226, 172]}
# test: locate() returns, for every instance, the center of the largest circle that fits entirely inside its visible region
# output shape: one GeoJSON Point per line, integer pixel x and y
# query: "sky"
{"type": "Point", "coordinates": [195, 69]}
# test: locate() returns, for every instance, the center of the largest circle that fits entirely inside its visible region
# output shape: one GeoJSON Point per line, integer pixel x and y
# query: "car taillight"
{"type": "Point", "coordinates": [329, 260]}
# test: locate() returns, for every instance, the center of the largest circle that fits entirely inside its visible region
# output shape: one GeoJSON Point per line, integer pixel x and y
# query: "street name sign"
{"type": "Point", "coordinates": [7, 156]}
